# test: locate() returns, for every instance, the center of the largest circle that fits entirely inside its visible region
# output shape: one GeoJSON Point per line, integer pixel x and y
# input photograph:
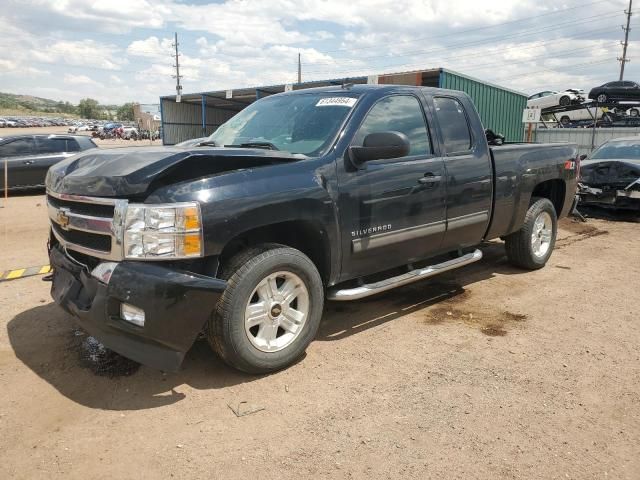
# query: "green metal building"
{"type": "Point", "coordinates": [199, 114]}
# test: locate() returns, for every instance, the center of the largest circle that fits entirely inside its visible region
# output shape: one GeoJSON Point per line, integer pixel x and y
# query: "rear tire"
{"type": "Point", "coordinates": [532, 245]}
{"type": "Point", "coordinates": [270, 310]}
{"type": "Point", "coordinates": [564, 101]}
{"type": "Point", "coordinates": [602, 98]}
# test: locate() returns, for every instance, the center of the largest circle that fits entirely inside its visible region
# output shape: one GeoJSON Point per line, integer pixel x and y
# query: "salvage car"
{"type": "Point", "coordinates": [28, 157]}
{"type": "Point", "coordinates": [610, 177]}
{"type": "Point", "coordinates": [550, 99]}
{"type": "Point", "coordinates": [338, 192]}
{"type": "Point", "coordinates": [615, 92]}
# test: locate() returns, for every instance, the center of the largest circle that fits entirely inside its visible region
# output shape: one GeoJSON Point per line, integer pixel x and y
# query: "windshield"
{"type": "Point", "coordinates": [621, 149]}
{"type": "Point", "coordinates": [303, 123]}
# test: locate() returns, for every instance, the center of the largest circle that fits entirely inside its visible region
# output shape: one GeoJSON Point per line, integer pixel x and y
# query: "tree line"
{"type": "Point", "coordinates": [86, 108]}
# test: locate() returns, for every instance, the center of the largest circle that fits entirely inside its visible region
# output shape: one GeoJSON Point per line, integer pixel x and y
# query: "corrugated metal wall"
{"type": "Point", "coordinates": [182, 121]}
{"type": "Point", "coordinates": [583, 136]}
{"type": "Point", "coordinates": [499, 109]}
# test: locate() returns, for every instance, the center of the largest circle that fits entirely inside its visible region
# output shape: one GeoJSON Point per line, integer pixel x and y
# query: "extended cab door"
{"type": "Point", "coordinates": [391, 211]}
{"type": "Point", "coordinates": [468, 169]}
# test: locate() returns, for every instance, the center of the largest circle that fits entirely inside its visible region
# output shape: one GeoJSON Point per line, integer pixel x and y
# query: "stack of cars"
{"type": "Point", "coordinates": [612, 104]}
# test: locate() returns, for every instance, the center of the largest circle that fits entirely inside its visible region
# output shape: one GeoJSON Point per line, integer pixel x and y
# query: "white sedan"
{"type": "Point", "coordinates": [549, 99]}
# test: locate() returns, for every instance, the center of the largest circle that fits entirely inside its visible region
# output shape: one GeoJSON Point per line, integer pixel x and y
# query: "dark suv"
{"type": "Point", "coordinates": [28, 157]}
{"type": "Point", "coordinates": [615, 91]}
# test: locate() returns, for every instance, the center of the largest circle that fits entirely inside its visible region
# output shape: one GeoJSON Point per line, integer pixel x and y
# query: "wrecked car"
{"type": "Point", "coordinates": [339, 192]}
{"type": "Point", "coordinates": [610, 176]}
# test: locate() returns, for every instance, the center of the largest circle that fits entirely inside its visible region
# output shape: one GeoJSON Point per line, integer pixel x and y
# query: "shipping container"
{"type": "Point", "coordinates": [199, 114]}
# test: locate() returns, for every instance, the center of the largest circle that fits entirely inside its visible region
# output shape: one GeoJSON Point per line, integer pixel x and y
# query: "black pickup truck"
{"type": "Point", "coordinates": [339, 193]}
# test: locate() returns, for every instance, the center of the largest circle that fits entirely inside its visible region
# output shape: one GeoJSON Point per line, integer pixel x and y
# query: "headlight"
{"type": "Point", "coordinates": [168, 231]}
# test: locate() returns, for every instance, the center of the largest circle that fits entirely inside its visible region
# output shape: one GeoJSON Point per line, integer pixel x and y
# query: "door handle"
{"type": "Point", "coordinates": [28, 162]}
{"type": "Point", "coordinates": [429, 179]}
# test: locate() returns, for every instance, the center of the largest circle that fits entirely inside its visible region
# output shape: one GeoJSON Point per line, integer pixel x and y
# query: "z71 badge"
{"type": "Point", "coordinates": [368, 231]}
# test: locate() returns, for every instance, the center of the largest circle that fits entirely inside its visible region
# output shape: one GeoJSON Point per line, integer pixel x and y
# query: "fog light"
{"type": "Point", "coordinates": [132, 314]}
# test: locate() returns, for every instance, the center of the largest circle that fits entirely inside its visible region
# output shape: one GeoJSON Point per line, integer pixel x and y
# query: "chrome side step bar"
{"type": "Point", "coordinates": [368, 289]}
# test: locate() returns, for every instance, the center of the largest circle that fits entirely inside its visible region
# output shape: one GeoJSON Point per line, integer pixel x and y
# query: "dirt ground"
{"type": "Point", "coordinates": [486, 372]}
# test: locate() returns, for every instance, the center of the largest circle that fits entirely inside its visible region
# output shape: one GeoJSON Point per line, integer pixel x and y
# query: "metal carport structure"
{"type": "Point", "coordinates": [199, 114]}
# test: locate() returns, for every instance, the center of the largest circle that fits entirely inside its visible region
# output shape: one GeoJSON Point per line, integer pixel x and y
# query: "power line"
{"type": "Point", "coordinates": [456, 56]}
{"type": "Point", "coordinates": [562, 25]}
{"type": "Point", "coordinates": [625, 44]}
{"type": "Point", "coordinates": [582, 6]}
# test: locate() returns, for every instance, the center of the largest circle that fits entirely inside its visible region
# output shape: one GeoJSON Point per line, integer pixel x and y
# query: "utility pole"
{"type": "Point", "coordinates": [625, 44]}
{"type": "Point", "coordinates": [177, 76]}
{"type": "Point", "coordinates": [299, 69]}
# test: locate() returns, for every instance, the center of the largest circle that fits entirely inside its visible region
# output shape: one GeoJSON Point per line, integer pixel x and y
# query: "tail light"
{"type": "Point", "coordinates": [573, 164]}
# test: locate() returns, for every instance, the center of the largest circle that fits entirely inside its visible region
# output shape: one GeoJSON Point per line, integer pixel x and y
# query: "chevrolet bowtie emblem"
{"type": "Point", "coordinates": [62, 218]}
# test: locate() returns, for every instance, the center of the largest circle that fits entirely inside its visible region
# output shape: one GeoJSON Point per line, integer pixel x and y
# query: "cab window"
{"type": "Point", "coordinates": [453, 124]}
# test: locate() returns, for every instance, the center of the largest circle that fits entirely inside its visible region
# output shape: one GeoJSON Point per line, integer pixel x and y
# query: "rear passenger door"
{"type": "Point", "coordinates": [468, 171]}
{"type": "Point", "coordinates": [19, 155]}
{"type": "Point", "coordinates": [51, 150]}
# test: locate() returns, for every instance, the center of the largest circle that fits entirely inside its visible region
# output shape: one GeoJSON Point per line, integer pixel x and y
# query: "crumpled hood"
{"type": "Point", "coordinates": [126, 172]}
{"type": "Point", "coordinates": [617, 173]}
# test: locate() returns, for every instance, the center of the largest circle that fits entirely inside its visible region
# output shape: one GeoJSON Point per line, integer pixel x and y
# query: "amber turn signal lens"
{"type": "Point", "coordinates": [191, 218]}
{"type": "Point", "coordinates": [191, 244]}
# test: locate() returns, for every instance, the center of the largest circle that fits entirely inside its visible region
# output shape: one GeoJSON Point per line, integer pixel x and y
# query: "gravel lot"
{"type": "Point", "coordinates": [485, 372]}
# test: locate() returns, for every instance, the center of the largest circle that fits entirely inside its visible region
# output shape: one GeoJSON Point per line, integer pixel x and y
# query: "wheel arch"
{"type": "Point", "coordinates": [304, 235]}
{"type": "Point", "coordinates": [553, 190]}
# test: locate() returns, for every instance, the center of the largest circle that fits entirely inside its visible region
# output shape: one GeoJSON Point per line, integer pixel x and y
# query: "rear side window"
{"type": "Point", "coordinates": [453, 124]}
{"type": "Point", "coordinates": [20, 146]}
{"type": "Point", "coordinates": [398, 113]}
{"type": "Point", "coordinates": [52, 145]}
{"type": "Point", "coordinates": [72, 145]}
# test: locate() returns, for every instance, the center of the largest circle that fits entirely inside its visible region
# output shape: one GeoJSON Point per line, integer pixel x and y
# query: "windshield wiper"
{"type": "Point", "coordinates": [208, 143]}
{"type": "Point", "coordinates": [265, 145]}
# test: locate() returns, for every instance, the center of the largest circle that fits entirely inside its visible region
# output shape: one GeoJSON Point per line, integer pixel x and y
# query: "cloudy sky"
{"type": "Point", "coordinates": [120, 50]}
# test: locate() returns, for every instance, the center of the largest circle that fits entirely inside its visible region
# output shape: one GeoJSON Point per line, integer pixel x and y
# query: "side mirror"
{"type": "Point", "coordinates": [583, 156]}
{"type": "Point", "coordinates": [380, 145]}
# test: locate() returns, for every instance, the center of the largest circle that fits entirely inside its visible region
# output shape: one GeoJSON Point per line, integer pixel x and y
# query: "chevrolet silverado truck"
{"type": "Point", "coordinates": [335, 193]}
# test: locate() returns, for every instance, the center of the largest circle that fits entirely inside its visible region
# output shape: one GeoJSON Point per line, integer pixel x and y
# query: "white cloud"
{"type": "Point", "coordinates": [116, 16]}
{"type": "Point", "coordinates": [81, 53]}
{"type": "Point", "coordinates": [71, 79]}
{"type": "Point", "coordinates": [235, 43]}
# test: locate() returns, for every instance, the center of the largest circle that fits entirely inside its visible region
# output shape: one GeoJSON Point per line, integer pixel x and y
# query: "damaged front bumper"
{"type": "Point", "coordinates": [176, 306]}
{"type": "Point", "coordinates": [627, 198]}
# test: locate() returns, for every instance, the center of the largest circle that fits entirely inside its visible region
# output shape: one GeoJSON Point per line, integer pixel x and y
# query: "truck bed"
{"type": "Point", "coordinates": [517, 167]}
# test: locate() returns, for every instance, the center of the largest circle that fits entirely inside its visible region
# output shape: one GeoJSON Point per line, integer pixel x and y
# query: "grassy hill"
{"type": "Point", "coordinates": [11, 104]}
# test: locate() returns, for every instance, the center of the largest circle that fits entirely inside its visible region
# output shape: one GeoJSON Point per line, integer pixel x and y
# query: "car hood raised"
{"type": "Point", "coordinates": [127, 172]}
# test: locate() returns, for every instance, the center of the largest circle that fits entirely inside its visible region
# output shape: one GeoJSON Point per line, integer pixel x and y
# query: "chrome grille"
{"type": "Point", "coordinates": [90, 225]}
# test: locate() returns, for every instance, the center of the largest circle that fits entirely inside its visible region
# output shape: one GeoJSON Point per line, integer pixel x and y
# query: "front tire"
{"type": "Point", "coordinates": [602, 98]}
{"type": "Point", "coordinates": [270, 310]}
{"type": "Point", "coordinates": [532, 245]}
